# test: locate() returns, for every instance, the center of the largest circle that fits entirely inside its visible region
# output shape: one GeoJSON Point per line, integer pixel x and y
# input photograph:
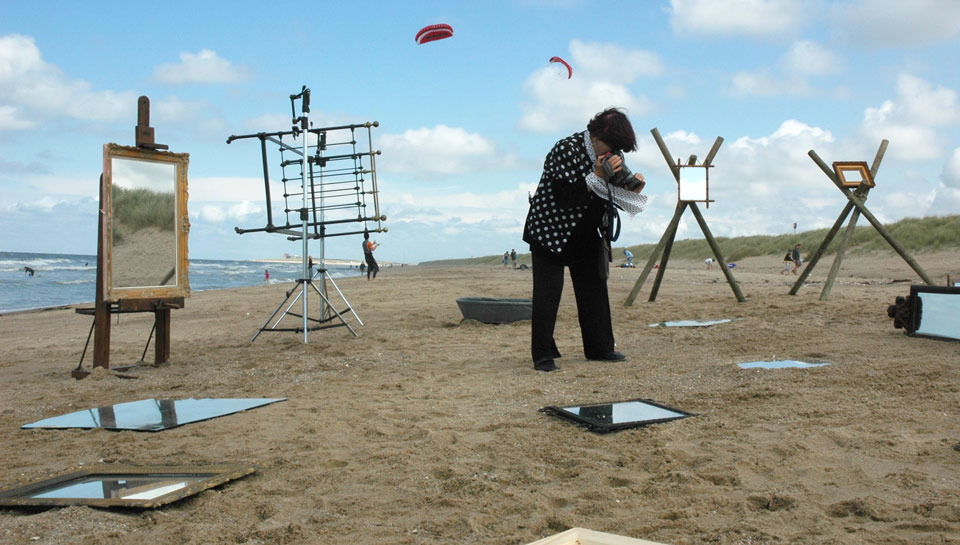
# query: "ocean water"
{"type": "Point", "coordinates": [64, 279]}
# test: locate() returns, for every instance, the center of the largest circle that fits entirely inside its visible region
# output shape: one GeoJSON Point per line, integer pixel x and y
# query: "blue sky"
{"type": "Point", "coordinates": [466, 122]}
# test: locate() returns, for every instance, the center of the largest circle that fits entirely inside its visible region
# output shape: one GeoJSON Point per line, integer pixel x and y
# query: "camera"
{"type": "Point", "coordinates": [622, 178]}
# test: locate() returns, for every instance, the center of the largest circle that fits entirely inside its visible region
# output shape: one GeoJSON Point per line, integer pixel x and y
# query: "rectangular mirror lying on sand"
{"type": "Point", "coordinates": [114, 485]}
{"type": "Point", "coordinates": [606, 417]}
{"type": "Point", "coordinates": [147, 223]}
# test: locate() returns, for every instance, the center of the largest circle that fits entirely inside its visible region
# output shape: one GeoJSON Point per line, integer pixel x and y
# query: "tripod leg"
{"type": "Point", "coordinates": [349, 306]}
{"type": "Point", "coordinates": [294, 302]}
{"type": "Point", "coordinates": [330, 306]}
{"type": "Point", "coordinates": [264, 326]}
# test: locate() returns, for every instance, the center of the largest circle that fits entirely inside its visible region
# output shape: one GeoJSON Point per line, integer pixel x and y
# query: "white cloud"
{"type": "Point", "coordinates": [10, 119]}
{"type": "Point", "coordinates": [951, 170]}
{"type": "Point", "coordinates": [35, 89]}
{"type": "Point", "coordinates": [808, 58]}
{"type": "Point", "coordinates": [203, 67]}
{"type": "Point", "coordinates": [441, 150]}
{"type": "Point", "coordinates": [887, 23]}
{"type": "Point", "coordinates": [598, 83]}
{"type": "Point", "coordinates": [804, 60]}
{"type": "Point", "coordinates": [172, 109]}
{"type": "Point", "coordinates": [749, 18]}
{"type": "Point", "coordinates": [910, 120]}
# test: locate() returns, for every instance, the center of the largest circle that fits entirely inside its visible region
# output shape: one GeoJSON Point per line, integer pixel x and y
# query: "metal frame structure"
{"type": "Point", "coordinates": [857, 199]}
{"type": "Point", "coordinates": [333, 193]}
{"type": "Point", "coordinates": [666, 241]}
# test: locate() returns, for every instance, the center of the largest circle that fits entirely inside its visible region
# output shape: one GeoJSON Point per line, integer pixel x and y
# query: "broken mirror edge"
{"type": "Point", "coordinates": [216, 475]}
{"type": "Point", "coordinates": [606, 428]}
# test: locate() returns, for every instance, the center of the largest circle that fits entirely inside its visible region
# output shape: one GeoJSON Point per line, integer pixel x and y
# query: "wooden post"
{"type": "Point", "coordinates": [161, 344]}
{"type": "Point", "coordinates": [716, 253]}
{"type": "Point", "coordinates": [835, 268]}
{"type": "Point", "coordinates": [101, 317]}
{"type": "Point", "coordinates": [823, 248]}
{"type": "Point", "coordinates": [870, 217]}
{"type": "Point", "coordinates": [671, 228]}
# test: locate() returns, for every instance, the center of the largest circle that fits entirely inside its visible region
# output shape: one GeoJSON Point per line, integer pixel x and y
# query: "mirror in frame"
{"type": "Point", "coordinates": [694, 183]}
{"type": "Point", "coordinates": [145, 192]}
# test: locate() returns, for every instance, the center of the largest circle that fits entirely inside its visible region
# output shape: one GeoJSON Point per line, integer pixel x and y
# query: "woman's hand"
{"type": "Point", "coordinates": [640, 179]}
{"type": "Point", "coordinates": [615, 162]}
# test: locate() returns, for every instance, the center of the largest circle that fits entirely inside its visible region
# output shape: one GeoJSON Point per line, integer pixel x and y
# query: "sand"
{"type": "Point", "coordinates": [425, 430]}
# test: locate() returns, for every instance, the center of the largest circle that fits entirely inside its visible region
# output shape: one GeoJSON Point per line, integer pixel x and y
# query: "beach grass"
{"type": "Point", "coordinates": [931, 233]}
{"type": "Point", "coordinates": [137, 209]}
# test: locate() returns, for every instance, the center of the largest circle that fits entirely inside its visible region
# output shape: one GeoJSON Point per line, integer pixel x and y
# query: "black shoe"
{"type": "Point", "coordinates": [612, 355]}
{"type": "Point", "coordinates": [545, 365]}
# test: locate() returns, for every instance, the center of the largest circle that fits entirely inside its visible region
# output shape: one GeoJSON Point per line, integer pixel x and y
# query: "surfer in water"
{"type": "Point", "coordinates": [29, 271]}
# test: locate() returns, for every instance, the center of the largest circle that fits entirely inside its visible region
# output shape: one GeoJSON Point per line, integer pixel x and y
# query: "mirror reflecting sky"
{"type": "Point", "coordinates": [781, 364]}
{"type": "Point", "coordinates": [128, 487]}
{"type": "Point", "coordinates": [693, 183]}
{"type": "Point", "coordinates": [939, 314]}
{"type": "Point", "coordinates": [623, 412]}
{"type": "Point", "coordinates": [151, 414]}
{"type": "Point", "coordinates": [691, 323]}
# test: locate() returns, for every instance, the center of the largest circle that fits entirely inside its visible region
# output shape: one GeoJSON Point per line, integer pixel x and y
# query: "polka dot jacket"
{"type": "Point", "coordinates": [563, 208]}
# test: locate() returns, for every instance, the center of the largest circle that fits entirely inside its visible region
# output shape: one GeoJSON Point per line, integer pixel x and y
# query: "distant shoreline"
{"type": "Point", "coordinates": [350, 262]}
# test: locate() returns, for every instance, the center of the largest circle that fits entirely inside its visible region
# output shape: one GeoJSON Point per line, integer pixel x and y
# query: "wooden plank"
{"type": "Point", "coordinates": [835, 268]}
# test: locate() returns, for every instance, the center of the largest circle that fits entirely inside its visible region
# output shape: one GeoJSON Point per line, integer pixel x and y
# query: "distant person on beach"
{"type": "Point", "coordinates": [796, 258]}
{"type": "Point", "coordinates": [368, 248]}
{"type": "Point", "coordinates": [787, 262]}
{"type": "Point", "coordinates": [29, 271]}
{"type": "Point", "coordinates": [513, 257]}
{"type": "Point", "coordinates": [629, 255]}
{"type": "Point", "coordinates": [506, 258]}
{"type": "Point", "coordinates": [572, 202]}
{"type": "Point", "coordinates": [266, 276]}
{"type": "Point", "coordinates": [709, 263]}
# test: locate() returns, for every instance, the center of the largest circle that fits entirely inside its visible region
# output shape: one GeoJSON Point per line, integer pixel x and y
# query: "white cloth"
{"type": "Point", "coordinates": [632, 203]}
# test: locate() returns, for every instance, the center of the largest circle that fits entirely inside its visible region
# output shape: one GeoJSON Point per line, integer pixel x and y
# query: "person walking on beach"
{"type": "Point", "coordinates": [266, 276]}
{"type": "Point", "coordinates": [513, 257]}
{"type": "Point", "coordinates": [562, 227]}
{"type": "Point", "coordinates": [787, 262]}
{"type": "Point", "coordinates": [368, 248]}
{"type": "Point", "coordinates": [796, 258]}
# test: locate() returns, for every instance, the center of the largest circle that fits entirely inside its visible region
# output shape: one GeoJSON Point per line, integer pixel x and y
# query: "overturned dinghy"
{"type": "Point", "coordinates": [495, 310]}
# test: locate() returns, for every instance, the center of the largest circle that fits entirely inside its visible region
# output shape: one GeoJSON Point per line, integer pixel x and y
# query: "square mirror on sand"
{"type": "Point", "coordinates": [620, 415]}
{"type": "Point", "coordinates": [582, 536]}
{"type": "Point", "coordinates": [115, 485]}
{"type": "Point", "coordinates": [151, 414]}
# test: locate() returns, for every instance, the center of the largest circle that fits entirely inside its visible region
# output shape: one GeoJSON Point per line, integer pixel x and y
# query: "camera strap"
{"type": "Point", "coordinates": [611, 219]}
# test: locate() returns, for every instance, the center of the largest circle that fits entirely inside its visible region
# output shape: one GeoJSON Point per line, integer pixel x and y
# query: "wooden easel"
{"type": "Point", "coordinates": [666, 241]}
{"type": "Point", "coordinates": [856, 200]}
{"type": "Point", "coordinates": [103, 309]}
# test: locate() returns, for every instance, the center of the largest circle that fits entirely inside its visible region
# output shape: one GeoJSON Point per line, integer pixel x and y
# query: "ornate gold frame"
{"type": "Point", "coordinates": [180, 161]}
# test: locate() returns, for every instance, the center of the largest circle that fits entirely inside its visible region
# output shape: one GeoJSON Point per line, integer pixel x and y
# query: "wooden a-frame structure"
{"type": "Point", "coordinates": [856, 200]}
{"type": "Point", "coordinates": [666, 241]}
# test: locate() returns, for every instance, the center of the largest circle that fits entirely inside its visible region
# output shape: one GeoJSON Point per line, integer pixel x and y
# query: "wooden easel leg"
{"type": "Point", "coordinates": [162, 342]}
{"type": "Point", "coordinates": [101, 336]}
{"type": "Point", "coordinates": [667, 247]}
{"type": "Point", "coordinates": [835, 268]}
{"type": "Point", "coordinates": [820, 251]}
{"type": "Point", "coordinates": [716, 253]}
{"type": "Point", "coordinates": [671, 228]}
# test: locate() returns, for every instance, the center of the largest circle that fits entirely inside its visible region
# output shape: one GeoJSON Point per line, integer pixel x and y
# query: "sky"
{"type": "Point", "coordinates": [466, 122]}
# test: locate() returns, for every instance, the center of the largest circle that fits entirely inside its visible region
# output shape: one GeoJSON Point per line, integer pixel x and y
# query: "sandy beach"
{"type": "Point", "coordinates": [426, 430]}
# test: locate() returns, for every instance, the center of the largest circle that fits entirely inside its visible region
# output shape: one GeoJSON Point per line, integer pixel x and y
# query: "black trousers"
{"type": "Point", "coordinates": [593, 303]}
{"type": "Point", "coordinates": [372, 266]}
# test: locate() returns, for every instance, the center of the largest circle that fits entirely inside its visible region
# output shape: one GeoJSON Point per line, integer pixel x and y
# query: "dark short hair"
{"type": "Point", "coordinates": [614, 129]}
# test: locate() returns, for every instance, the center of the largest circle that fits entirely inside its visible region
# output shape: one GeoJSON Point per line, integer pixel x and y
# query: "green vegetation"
{"type": "Point", "coordinates": [913, 234]}
{"type": "Point", "coordinates": [136, 209]}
